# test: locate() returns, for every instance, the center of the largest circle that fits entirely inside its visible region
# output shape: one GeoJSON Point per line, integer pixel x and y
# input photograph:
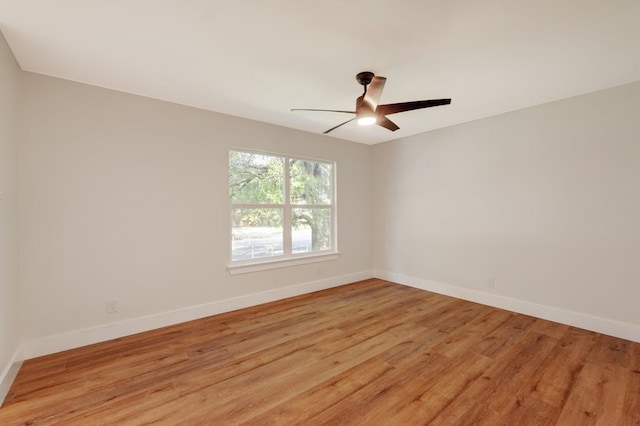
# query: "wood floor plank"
{"type": "Point", "coordinates": [562, 367]}
{"type": "Point", "coordinates": [501, 384]}
{"type": "Point", "coordinates": [372, 352]}
{"type": "Point", "coordinates": [631, 403]}
{"type": "Point", "coordinates": [434, 392]}
{"type": "Point", "coordinates": [303, 407]}
{"type": "Point", "coordinates": [610, 350]}
{"type": "Point", "coordinates": [598, 397]}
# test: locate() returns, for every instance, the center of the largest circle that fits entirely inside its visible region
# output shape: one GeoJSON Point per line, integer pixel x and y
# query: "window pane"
{"type": "Point", "coordinates": [255, 178]}
{"type": "Point", "coordinates": [310, 182]}
{"type": "Point", "coordinates": [256, 233]}
{"type": "Point", "coordinates": [311, 230]}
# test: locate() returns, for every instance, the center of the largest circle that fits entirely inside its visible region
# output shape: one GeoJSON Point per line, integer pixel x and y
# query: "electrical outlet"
{"type": "Point", "coordinates": [112, 306]}
{"type": "Point", "coordinates": [491, 282]}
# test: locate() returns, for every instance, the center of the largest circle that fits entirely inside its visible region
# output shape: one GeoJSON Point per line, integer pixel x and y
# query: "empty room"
{"type": "Point", "coordinates": [368, 213]}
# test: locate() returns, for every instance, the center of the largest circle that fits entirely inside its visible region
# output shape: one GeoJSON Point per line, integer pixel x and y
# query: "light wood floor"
{"type": "Point", "coordinates": [369, 353]}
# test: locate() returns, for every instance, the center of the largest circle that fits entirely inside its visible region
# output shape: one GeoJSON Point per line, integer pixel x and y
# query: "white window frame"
{"type": "Point", "coordinates": [288, 258]}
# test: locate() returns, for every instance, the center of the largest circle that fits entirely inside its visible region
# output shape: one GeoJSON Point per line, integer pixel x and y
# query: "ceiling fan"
{"type": "Point", "coordinates": [367, 109]}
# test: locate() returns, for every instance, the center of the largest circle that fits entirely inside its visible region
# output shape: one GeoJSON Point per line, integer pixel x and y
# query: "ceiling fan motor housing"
{"type": "Point", "coordinates": [364, 77]}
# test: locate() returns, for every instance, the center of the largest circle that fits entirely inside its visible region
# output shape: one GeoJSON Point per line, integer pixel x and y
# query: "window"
{"type": "Point", "coordinates": [281, 207]}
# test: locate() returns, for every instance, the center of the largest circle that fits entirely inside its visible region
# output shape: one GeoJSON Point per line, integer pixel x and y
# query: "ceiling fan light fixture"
{"type": "Point", "coordinates": [367, 120]}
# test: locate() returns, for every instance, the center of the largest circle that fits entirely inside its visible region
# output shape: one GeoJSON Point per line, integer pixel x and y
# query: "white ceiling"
{"type": "Point", "coordinates": [259, 58]}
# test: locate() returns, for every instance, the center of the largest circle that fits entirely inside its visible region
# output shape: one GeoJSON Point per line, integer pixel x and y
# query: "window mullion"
{"type": "Point", "coordinates": [334, 201]}
{"type": "Point", "coordinates": [287, 220]}
{"type": "Point", "coordinates": [257, 206]}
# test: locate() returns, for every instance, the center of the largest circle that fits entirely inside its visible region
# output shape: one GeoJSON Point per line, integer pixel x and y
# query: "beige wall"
{"type": "Point", "coordinates": [9, 290]}
{"type": "Point", "coordinates": [546, 200]}
{"type": "Point", "coordinates": [125, 198]}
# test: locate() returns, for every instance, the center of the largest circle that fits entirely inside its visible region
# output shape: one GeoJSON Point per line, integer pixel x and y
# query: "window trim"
{"type": "Point", "coordinates": [265, 265]}
{"type": "Point", "coordinates": [288, 258]}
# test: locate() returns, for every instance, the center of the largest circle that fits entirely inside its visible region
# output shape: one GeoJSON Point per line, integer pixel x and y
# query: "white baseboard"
{"type": "Point", "coordinates": [74, 339]}
{"type": "Point", "coordinates": [606, 326]}
{"type": "Point", "coordinates": [9, 373]}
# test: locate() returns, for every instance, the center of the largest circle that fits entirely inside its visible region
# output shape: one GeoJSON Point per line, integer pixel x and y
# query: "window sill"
{"type": "Point", "coordinates": [281, 263]}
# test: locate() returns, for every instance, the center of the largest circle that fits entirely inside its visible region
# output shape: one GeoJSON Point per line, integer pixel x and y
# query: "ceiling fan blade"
{"type": "Point", "coordinates": [374, 91]}
{"type": "Point", "coordinates": [322, 110]}
{"type": "Point", "coordinates": [383, 121]}
{"type": "Point", "coordinates": [408, 106]}
{"type": "Point", "coordinates": [341, 124]}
